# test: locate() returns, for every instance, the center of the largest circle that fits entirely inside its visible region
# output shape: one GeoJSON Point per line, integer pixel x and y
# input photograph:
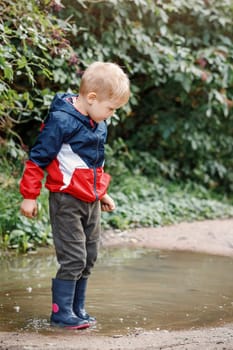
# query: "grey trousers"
{"type": "Point", "coordinates": [76, 233]}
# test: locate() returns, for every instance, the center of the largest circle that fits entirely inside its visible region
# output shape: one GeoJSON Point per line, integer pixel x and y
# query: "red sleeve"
{"type": "Point", "coordinates": [30, 184]}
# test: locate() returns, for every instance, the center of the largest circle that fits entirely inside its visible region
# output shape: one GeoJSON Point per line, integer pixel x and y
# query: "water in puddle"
{"type": "Point", "coordinates": [129, 290]}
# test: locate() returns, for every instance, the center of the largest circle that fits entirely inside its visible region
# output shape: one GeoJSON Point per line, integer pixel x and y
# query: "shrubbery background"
{"type": "Point", "coordinates": [170, 149]}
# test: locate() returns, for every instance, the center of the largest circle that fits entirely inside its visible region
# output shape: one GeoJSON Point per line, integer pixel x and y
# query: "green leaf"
{"type": "Point", "coordinates": [22, 62]}
{"type": "Point", "coordinates": [8, 73]}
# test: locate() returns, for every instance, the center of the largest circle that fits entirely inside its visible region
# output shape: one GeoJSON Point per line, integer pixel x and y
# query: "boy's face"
{"type": "Point", "coordinates": [101, 110]}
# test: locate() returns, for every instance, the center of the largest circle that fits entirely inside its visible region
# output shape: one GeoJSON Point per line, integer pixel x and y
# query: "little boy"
{"type": "Point", "coordinates": [70, 148]}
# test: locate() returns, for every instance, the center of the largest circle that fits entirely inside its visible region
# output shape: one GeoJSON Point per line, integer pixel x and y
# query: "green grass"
{"type": "Point", "coordinates": [146, 202]}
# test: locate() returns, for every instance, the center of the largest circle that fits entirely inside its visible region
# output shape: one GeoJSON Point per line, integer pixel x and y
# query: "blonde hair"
{"type": "Point", "coordinates": [107, 80]}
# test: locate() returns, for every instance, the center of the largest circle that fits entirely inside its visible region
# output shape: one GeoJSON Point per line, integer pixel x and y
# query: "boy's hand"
{"type": "Point", "coordinates": [107, 203]}
{"type": "Point", "coordinates": [28, 208]}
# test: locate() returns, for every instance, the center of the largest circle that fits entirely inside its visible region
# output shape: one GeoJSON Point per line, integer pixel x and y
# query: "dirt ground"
{"type": "Point", "coordinates": [213, 237]}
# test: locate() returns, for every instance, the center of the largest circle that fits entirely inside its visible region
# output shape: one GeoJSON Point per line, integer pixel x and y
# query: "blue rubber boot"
{"type": "Point", "coordinates": [62, 308]}
{"type": "Point", "coordinates": [79, 301]}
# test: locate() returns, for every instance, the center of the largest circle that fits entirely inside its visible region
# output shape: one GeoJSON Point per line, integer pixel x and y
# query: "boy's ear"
{"type": "Point", "coordinates": [91, 97]}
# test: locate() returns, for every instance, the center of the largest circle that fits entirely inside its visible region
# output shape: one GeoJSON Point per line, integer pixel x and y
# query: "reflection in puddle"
{"type": "Point", "coordinates": [129, 290]}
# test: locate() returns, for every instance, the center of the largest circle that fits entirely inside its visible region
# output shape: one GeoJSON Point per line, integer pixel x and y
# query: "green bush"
{"type": "Point", "coordinates": [33, 40]}
{"type": "Point", "coordinates": [17, 231]}
{"type": "Point", "coordinates": [179, 55]}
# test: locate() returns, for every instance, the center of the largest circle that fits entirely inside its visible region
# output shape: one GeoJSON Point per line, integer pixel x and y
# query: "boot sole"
{"type": "Point", "coordinates": [83, 326]}
{"type": "Point", "coordinates": [62, 325]}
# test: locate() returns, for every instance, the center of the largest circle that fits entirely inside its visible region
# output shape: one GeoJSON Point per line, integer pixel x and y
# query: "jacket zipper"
{"type": "Point", "coordinates": [95, 173]}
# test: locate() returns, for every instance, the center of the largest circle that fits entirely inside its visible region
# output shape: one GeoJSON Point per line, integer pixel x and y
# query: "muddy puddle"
{"type": "Point", "coordinates": [129, 290]}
